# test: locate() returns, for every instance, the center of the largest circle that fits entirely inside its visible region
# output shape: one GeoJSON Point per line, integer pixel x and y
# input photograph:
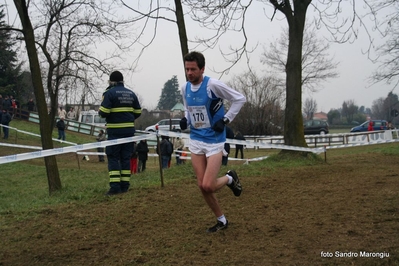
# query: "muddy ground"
{"type": "Point", "coordinates": [343, 212]}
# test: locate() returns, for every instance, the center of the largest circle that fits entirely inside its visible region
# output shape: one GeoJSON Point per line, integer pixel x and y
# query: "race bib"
{"type": "Point", "coordinates": [199, 116]}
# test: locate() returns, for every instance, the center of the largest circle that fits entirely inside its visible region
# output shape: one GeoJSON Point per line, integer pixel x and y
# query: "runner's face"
{"type": "Point", "coordinates": [193, 72]}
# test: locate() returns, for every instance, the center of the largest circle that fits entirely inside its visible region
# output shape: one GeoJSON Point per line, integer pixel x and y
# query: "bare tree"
{"type": "Point", "coordinates": [262, 113]}
{"type": "Point", "coordinates": [61, 49]}
{"type": "Point", "coordinates": [53, 177]}
{"type": "Point", "coordinates": [230, 14]}
{"type": "Point", "coordinates": [388, 52]}
{"type": "Point", "coordinates": [349, 109]}
{"type": "Point", "coordinates": [317, 65]}
{"type": "Point", "coordinates": [391, 103]}
{"type": "Point", "coordinates": [378, 109]}
{"type": "Point", "coordinates": [153, 11]}
{"type": "Point", "coordinates": [220, 17]}
{"type": "Point", "coordinates": [309, 108]}
{"type": "Point", "coordinates": [67, 33]}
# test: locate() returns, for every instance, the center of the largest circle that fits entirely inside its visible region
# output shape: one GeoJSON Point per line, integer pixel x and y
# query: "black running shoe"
{"type": "Point", "coordinates": [235, 186]}
{"type": "Point", "coordinates": [217, 227]}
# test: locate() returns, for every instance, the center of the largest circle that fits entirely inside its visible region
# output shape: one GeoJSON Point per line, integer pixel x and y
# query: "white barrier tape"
{"type": "Point", "coordinates": [63, 150]}
{"type": "Point", "coordinates": [100, 153]}
{"type": "Point", "coordinates": [37, 135]}
{"type": "Point", "coordinates": [20, 146]}
{"type": "Point", "coordinates": [76, 148]}
{"type": "Point", "coordinates": [257, 159]}
{"type": "Point", "coordinates": [64, 141]}
{"type": "Point", "coordinates": [22, 131]}
{"type": "Point", "coordinates": [245, 142]}
{"type": "Point", "coordinates": [362, 144]}
{"type": "Point", "coordinates": [91, 153]}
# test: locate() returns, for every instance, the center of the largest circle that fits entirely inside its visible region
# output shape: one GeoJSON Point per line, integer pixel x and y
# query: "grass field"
{"type": "Point", "coordinates": [292, 212]}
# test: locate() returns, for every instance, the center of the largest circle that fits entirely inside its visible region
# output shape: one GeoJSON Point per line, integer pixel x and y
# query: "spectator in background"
{"type": "Point", "coordinates": [226, 151]}
{"type": "Point", "coordinates": [179, 145]}
{"type": "Point", "coordinates": [183, 155]}
{"type": "Point", "coordinates": [31, 105]}
{"type": "Point", "coordinates": [5, 121]}
{"type": "Point", "coordinates": [239, 147]}
{"type": "Point", "coordinates": [101, 137]}
{"type": "Point", "coordinates": [13, 103]}
{"type": "Point", "coordinates": [142, 152]}
{"type": "Point", "coordinates": [61, 128]}
{"type": "Point", "coordinates": [166, 150]}
{"type": "Point", "coordinates": [171, 152]}
{"type": "Point", "coordinates": [16, 103]}
{"type": "Point", "coordinates": [7, 103]}
{"type": "Point", "coordinates": [61, 112]}
{"type": "Point", "coordinates": [390, 126]}
{"type": "Point", "coordinates": [134, 159]}
{"type": "Point", "coordinates": [71, 114]}
{"type": "Point", "coordinates": [370, 127]}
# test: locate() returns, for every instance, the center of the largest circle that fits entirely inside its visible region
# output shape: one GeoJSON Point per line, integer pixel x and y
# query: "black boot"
{"type": "Point", "coordinates": [125, 186]}
{"type": "Point", "coordinates": [115, 188]}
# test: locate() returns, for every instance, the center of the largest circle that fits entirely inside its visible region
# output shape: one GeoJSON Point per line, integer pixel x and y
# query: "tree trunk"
{"type": "Point", "coordinates": [182, 29]}
{"type": "Point", "coordinates": [293, 124]}
{"type": "Point", "coordinates": [53, 177]}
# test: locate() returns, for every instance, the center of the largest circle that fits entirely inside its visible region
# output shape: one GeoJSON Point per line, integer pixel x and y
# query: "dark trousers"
{"type": "Point", "coordinates": [100, 157]}
{"type": "Point", "coordinates": [225, 160]}
{"type": "Point", "coordinates": [142, 165]}
{"type": "Point", "coordinates": [61, 134]}
{"type": "Point", "coordinates": [165, 161]}
{"type": "Point", "coordinates": [178, 154]}
{"type": "Point", "coordinates": [5, 131]}
{"type": "Point", "coordinates": [241, 149]}
{"type": "Point", "coordinates": [119, 165]}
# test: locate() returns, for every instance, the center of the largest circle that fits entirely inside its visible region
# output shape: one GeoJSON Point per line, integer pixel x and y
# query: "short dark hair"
{"type": "Point", "coordinates": [116, 76]}
{"type": "Point", "coordinates": [197, 57]}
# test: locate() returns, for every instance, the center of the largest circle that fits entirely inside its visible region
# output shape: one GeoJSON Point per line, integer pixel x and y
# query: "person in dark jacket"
{"type": "Point", "coordinates": [61, 128]}
{"type": "Point", "coordinates": [31, 105]}
{"type": "Point", "coordinates": [166, 151]}
{"type": "Point", "coordinates": [101, 137]}
{"type": "Point", "coordinates": [239, 147]}
{"type": "Point", "coordinates": [142, 152]}
{"type": "Point", "coordinates": [5, 121]}
{"type": "Point", "coordinates": [7, 103]}
{"type": "Point", "coordinates": [226, 151]}
{"type": "Point", "coordinates": [120, 107]}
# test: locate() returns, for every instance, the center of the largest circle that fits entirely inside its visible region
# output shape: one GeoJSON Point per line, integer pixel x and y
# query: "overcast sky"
{"type": "Point", "coordinates": [162, 60]}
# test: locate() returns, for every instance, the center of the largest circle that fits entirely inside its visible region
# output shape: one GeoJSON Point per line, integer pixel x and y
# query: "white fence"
{"type": "Point", "coordinates": [258, 142]}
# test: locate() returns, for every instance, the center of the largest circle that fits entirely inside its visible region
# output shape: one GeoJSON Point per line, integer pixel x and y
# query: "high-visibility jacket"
{"type": "Point", "coordinates": [120, 107]}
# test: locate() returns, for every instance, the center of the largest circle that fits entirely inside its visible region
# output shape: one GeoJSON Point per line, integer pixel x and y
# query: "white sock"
{"type": "Point", "coordinates": [222, 219]}
{"type": "Point", "coordinates": [230, 179]}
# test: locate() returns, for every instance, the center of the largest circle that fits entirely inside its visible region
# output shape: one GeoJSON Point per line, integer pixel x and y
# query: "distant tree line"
{"type": "Point", "coordinates": [350, 113]}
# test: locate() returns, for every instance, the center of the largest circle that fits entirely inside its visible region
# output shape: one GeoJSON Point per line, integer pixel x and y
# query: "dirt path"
{"type": "Point", "coordinates": [300, 216]}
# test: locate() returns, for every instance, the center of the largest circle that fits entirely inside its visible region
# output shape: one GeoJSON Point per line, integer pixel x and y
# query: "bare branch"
{"type": "Point", "coordinates": [317, 65]}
